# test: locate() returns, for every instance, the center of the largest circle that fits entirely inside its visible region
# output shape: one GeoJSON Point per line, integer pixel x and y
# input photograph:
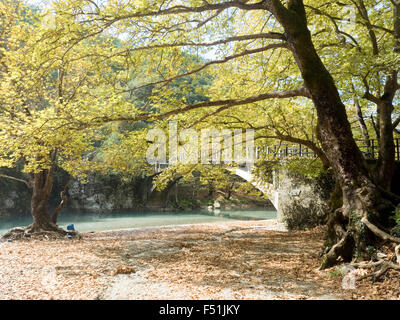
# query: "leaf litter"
{"type": "Point", "coordinates": [234, 260]}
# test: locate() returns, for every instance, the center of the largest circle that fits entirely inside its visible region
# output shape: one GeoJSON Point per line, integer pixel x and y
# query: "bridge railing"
{"type": "Point", "coordinates": [284, 151]}
{"type": "Point", "coordinates": [370, 151]}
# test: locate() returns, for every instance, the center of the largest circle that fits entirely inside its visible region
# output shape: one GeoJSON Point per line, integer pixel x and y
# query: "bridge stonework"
{"type": "Point", "coordinates": [300, 202]}
{"type": "Point", "coordinates": [303, 202]}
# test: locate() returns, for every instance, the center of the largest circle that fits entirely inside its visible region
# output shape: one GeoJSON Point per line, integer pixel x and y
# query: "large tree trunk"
{"type": "Point", "coordinates": [42, 185]}
{"type": "Point", "coordinates": [334, 128]}
{"type": "Point", "coordinates": [361, 196]}
{"type": "Point", "coordinates": [386, 160]}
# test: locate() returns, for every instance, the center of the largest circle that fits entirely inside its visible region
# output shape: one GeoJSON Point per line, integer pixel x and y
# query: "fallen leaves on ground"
{"type": "Point", "coordinates": [235, 260]}
{"type": "Point", "coordinates": [123, 270]}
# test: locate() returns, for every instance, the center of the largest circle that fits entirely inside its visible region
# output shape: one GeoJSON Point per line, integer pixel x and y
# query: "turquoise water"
{"type": "Point", "coordinates": [86, 222]}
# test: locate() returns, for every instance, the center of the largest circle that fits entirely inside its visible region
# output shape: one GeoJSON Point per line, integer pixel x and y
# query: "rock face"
{"type": "Point", "coordinates": [116, 193]}
{"type": "Point", "coordinates": [101, 194]}
{"type": "Point", "coordinates": [303, 201]}
{"type": "Point", "coordinates": [15, 196]}
{"type": "Point", "coordinates": [12, 203]}
{"type": "Point", "coordinates": [107, 194]}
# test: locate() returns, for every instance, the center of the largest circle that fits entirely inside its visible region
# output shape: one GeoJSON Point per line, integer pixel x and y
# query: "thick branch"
{"type": "Point", "coordinates": [374, 125]}
{"type": "Point", "coordinates": [48, 184]}
{"type": "Point", "coordinates": [360, 118]}
{"type": "Point", "coordinates": [266, 35]}
{"type": "Point", "coordinates": [210, 114]}
{"type": "Point", "coordinates": [396, 123]}
{"type": "Point", "coordinates": [396, 33]}
{"type": "Point", "coordinates": [309, 144]}
{"type": "Point", "coordinates": [371, 32]}
{"type": "Point", "coordinates": [16, 179]}
{"type": "Point", "coordinates": [63, 202]}
{"type": "Point", "coordinates": [179, 9]}
{"type": "Point", "coordinates": [210, 63]}
{"type": "Point", "coordinates": [369, 96]}
{"type": "Point", "coordinates": [300, 92]}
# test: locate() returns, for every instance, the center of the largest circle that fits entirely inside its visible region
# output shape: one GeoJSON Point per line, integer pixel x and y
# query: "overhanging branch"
{"type": "Point", "coordinates": [180, 9]}
{"type": "Point", "coordinates": [29, 185]}
{"type": "Point", "coordinates": [307, 143]}
{"type": "Point", "coordinates": [210, 63]}
{"type": "Point", "coordinates": [265, 35]}
{"type": "Point", "coordinates": [300, 92]}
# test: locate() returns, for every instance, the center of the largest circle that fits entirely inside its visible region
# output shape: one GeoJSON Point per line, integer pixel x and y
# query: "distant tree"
{"type": "Point", "coordinates": [49, 85]}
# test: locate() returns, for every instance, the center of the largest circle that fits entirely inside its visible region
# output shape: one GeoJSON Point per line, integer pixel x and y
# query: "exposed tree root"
{"type": "Point", "coordinates": [378, 232]}
{"type": "Point", "coordinates": [382, 266]}
{"type": "Point", "coordinates": [343, 248]}
{"type": "Point", "coordinates": [350, 234]}
{"type": "Point", "coordinates": [31, 232]}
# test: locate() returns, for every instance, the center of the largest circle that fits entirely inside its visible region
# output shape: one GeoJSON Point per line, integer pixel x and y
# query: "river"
{"type": "Point", "coordinates": [87, 222]}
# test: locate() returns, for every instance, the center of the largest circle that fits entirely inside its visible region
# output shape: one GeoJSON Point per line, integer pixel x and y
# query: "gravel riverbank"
{"type": "Point", "coordinates": [223, 260]}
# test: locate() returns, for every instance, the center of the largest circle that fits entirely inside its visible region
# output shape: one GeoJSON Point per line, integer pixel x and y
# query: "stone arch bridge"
{"type": "Point", "coordinates": [286, 191]}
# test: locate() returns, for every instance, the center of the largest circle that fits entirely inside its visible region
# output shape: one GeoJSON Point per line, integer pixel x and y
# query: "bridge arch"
{"type": "Point", "coordinates": [268, 189]}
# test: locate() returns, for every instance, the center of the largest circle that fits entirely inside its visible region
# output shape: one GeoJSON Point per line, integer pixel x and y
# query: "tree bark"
{"type": "Point", "coordinates": [386, 160]}
{"type": "Point", "coordinates": [361, 196]}
{"type": "Point", "coordinates": [41, 188]}
{"type": "Point", "coordinates": [361, 122]}
{"type": "Point", "coordinates": [63, 203]}
{"type": "Point", "coordinates": [42, 185]}
{"type": "Point", "coordinates": [334, 128]}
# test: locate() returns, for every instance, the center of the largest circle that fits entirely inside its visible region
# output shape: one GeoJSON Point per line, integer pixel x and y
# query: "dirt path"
{"type": "Point", "coordinates": [235, 260]}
